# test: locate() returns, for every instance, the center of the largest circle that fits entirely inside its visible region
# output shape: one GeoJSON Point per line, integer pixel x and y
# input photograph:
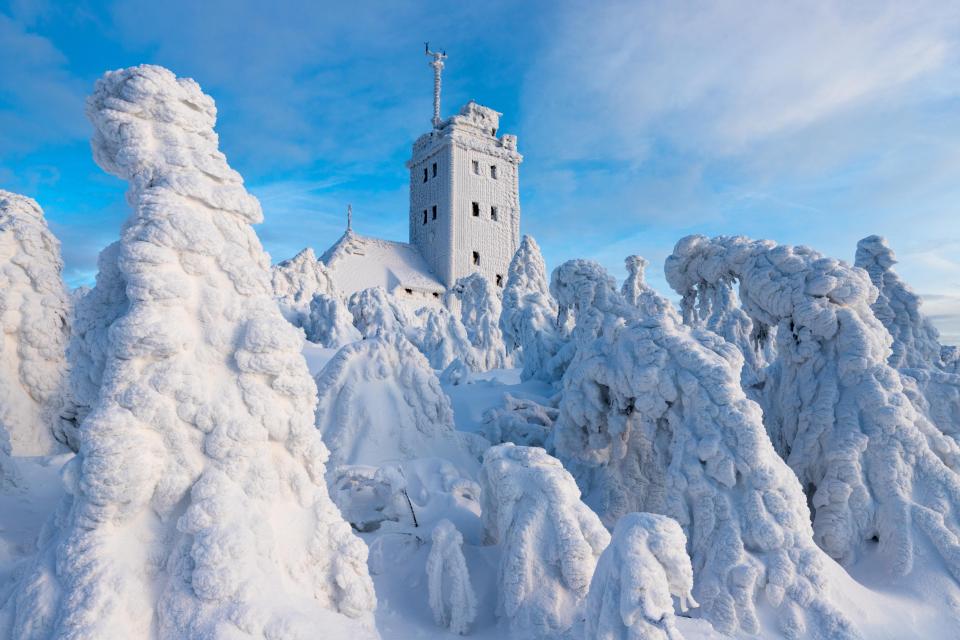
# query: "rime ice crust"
{"type": "Point", "coordinates": [631, 593]}
{"type": "Point", "coordinates": [197, 504]}
{"type": "Point", "coordinates": [529, 315]}
{"type": "Point", "coordinates": [653, 418]}
{"type": "Point", "coordinates": [480, 313]}
{"type": "Point", "coordinates": [871, 460]}
{"type": "Point", "coordinates": [34, 312]}
{"type": "Point", "coordinates": [549, 540]}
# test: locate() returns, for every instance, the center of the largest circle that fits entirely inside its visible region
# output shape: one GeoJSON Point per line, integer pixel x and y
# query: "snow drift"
{"type": "Point", "coordinates": [549, 540]}
{"type": "Point", "coordinates": [34, 318]}
{"type": "Point", "coordinates": [631, 593]}
{"type": "Point", "coordinates": [197, 505]}
{"type": "Point", "coordinates": [869, 460]}
{"type": "Point", "coordinates": [653, 418]}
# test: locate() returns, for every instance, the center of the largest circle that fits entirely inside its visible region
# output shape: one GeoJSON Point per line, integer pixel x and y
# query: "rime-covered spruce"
{"type": "Point", "coordinates": [868, 458]}
{"type": "Point", "coordinates": [653, 418]}
{"type": "Point", "coordinates": [196, 506]}
{"type": "Point", "coordinates": [34, 316]}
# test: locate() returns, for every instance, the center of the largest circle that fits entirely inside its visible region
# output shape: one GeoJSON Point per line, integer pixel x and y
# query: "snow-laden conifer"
{"type": "Point", "coordinates": [376, 313]}
{"type": "Point", "coordinates": [329, 322]}
{"type": "Point", "coordinates": [34, 312]}
{"type": "Point", "coordinates": [296, 281]}
{"type": "Point", "coordinates": [196, 505]}
{"type": "Point", "coordinates": [638, 574]}
{"type": "Point", "coordinates": [874, 466]}
{"type": "Point", "coordinates": [451, 595]}
{"type": "Point", "coordinates": [653, 418]}
{"type": "Point", "coordinates": [442, 338]}
{"type": "Point", "coordinates": [480, 313]}
{"type": "Point", "coordinates": [549, 540]}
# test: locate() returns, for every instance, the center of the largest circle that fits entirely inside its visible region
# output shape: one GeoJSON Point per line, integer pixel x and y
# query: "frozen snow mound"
{"type": "Point", "coordinates": [376, 313]}
{"type": "Point", "coordinates": [442, 338]}
{"type": "Point", "coordinates": [529, 315]}
{"type": "Point", "coordinates": [296, 281]}
{"type": "Point", "coordinates": [480, 313]}
{"type": "Point", "coordinates": [873, 465]}
{"type": "Point", "coordinates": [329, 322]}
{"type": "Point", "coordinates": [631, 593]}
{"type": "Point", "coordinates": [549, 540]}
{"type": "Point", "coordinates": [653, 418]}
{"type": "Point", "coordinates": [380, 402]}
{"type": "Point", "coordinates": [197, 505]}
{"type": "Point", "coordinates": [452, 599]}
{"type": "Point", "coordinates": [34, 313]}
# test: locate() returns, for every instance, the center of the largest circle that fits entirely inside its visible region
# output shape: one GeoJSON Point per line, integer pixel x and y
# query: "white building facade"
{"type": "Point", "coordinates": [465, 196]}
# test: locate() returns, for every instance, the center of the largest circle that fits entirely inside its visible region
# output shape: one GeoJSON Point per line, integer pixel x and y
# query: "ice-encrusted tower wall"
{"type": "Point", "coordinates": [465, 196]}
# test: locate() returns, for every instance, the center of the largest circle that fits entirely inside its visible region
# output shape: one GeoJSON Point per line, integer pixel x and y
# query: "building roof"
{"type": "Point", "coordinates": [358, 262]}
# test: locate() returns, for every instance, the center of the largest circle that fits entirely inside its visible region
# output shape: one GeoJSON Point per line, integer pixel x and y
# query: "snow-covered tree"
{"type": "Point", "coordinates": [529, 315]}
{"type": "Point", "coordinates": [452, 599]}
{"type": "Point", "coordinates": [520, 421]}
{"type": "Point", "coordinates": [653, 418]}
{"type": "Point", "coordinates": [870, 461]}
{"type": "Point", "coordinates": [296, 281]}
{"type": "Point", "coordinates": [379, 402]}
{"type": "Point", "coordinates": [196, 506]}
{"type": "Point", "coordinates": [635, 289]}
{"type": "Point", "coordinates": [916, 342]}
{"type": "Point", "coordinates": [631, 593]}
{"type": "Point", "coordinates": [480, 313]}
{"type": "Point", "coordinates": [34, 313]}
{"type": "Point", "coordinates": [376, 313]}
{"type": "Point", "coordinates": [549, 540]}
{"type": "Point", "coordinates": [442, 338]}
{"type": "Point", "coordinates": [329, 322]}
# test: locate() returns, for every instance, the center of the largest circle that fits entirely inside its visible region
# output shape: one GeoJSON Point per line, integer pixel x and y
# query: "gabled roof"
{"type": "Point", "coordinates": [359, 262]}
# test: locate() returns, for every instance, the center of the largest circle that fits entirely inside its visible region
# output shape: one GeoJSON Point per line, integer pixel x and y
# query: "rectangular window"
{"type": "Point", "coordinates": [434, 212]}
{"type": "Point", "coordinates": [493, 171]}
{"type": "Point", "coordinates": [424, 174]}
{"type": "Point", "coordinates": [476, 167]}
{"type": "Point", "coordinates": [476, 209]}
{"type": "Point", "coordinates": [493, 213]}
{"type": "Point", "coordinates": [424, 216]}
{"type": "Point", "coordinates": [476, 258]}
{"type": "Point", "coordinates": [499, 280]}
{"type": "Point", "coordinates": [434, 169]}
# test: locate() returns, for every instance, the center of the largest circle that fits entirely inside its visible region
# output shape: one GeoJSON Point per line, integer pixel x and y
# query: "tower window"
{"type": "Point", "coordinates": [476, 167]}
{"type": "Point", "coordinates": [499, 280]}
{"type": "Point", "coordinates": [434, 169]}
{"type": "Point", "coordinates": [493, 132]}
{"type": "Point", "coordinates": [476, 258]}
{"type": "Point", "coordinates": [424, 216]}
{"type": "Point", "coordinates": [409, 292]}
{"type": "Point", "coordinates": [476, 209]}
{"type": "Point", "coordinates": [424, 174]}
{"type": "Point", "coordinates": [493, 213]}
{"type": "Point", "coordinates": [434, 212]}
{"type": "Point", "coordinates": [493, 171]}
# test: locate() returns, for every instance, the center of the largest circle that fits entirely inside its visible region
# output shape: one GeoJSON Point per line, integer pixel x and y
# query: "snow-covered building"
{"type": "Point", "coordinates": [464, 212]}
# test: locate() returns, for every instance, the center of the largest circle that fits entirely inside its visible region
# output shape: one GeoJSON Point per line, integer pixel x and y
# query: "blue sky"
{"type": "Point", "coordinates": [806, 122]}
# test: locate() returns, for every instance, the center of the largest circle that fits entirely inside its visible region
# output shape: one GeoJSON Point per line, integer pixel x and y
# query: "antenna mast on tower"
{"type": "Point", "coordinates": [437, 64]}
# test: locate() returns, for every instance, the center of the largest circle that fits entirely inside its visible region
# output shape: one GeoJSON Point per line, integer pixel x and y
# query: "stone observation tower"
{"type": "Point", "coordinates": [464, 192]}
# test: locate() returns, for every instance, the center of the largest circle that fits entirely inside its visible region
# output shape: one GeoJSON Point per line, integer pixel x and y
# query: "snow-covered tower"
{"type": "Point", "coordinates": [465, 192]}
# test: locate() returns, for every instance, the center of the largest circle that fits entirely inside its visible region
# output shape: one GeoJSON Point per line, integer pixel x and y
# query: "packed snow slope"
{"type": "Point", "coordinates": [196, 506]}
{"type": "Point", "coordinates": [34, 319]}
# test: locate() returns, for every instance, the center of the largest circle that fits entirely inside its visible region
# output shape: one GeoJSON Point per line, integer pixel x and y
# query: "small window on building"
{"type": "Point", "coordinates": [424, 216]}
{"type": "Point", "coordinates": [436, 295]}
{"type": "Point", "coordinates": [424, 174]}
{"type": "Point", "coordinates": [476, 167]}
{"type": "Point", "coordinates": [409, 292]}
{"type": "Point", "coordinates": [493, 213]}
{"type": "Point", "coordinates": [476, 209]}
{"type": "Point", "coordinates": [434, 212]}
{"type": "Point", "coordinates": [493, 171]}
{"type": "Point", "coordinates": [434, 169]}
{"type": "Point", "coordinates": [493, 131]}
{"type": "Point", "coordinates": [499, 280]}
{"type": "Point", "coordinates": [476, 258]}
